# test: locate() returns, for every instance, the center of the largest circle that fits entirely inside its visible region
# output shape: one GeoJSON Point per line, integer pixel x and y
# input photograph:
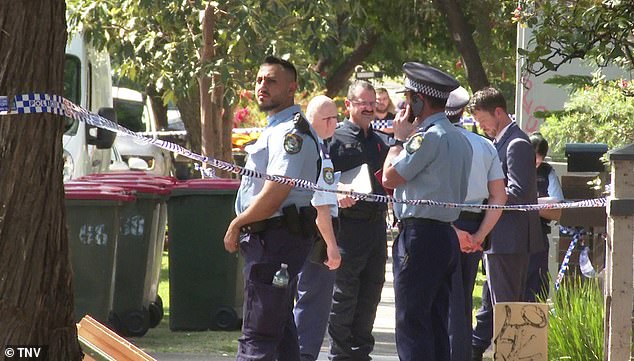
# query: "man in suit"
{"type": "Point", "coordinates": [516, 234]}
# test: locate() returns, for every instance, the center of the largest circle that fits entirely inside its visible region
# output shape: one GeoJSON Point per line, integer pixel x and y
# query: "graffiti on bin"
{"type": "Point", "coordinates": [133, 226]}
{"type": "Point", "coordinates": [93, 234]}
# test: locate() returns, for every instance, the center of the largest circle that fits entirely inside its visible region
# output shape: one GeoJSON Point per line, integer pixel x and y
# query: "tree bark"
{"type": "Point", "coordinates": [158, 107]}
{"type": "Point", "coordinates": [465, 44]}
{"type": "Point", "coordinates": [36, 292]}
{"type": "Point", "coordinates": [339, 78]}
{"type": "Point", "coordinates": [227, 129]}
{"type": "Point", "coordinates": [211, 96]}
{"type": "Point", "coordinates": [189, 108]}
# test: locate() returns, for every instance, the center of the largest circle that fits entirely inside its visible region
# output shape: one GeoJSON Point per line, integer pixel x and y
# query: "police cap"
{"type": "Point", "coordinates": [425, 79]}
{"type": "Point", "coordinates": [458, 99]}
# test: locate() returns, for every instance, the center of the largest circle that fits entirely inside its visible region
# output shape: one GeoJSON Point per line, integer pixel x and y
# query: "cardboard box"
{"type": "Point", "coordinates": [520, 331]}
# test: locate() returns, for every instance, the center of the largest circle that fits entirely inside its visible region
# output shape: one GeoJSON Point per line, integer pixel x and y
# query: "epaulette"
{"type": "Point", "coordinates": [301, 124]}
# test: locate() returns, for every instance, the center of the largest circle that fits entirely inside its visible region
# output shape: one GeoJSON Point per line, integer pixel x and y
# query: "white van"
{"type": "Point", "coordinates": [134, 111]}
{"type": "Point", "coordinates": [88, 83]}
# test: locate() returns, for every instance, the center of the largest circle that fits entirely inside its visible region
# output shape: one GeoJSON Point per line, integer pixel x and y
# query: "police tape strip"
{"type": "Point", "coordinates": [33, 103]}
{"type": "Point", "coordinates": [577, 236]}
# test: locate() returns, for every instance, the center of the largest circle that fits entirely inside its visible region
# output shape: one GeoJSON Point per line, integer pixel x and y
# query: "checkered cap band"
{"type": "Point", "coordinates": [452, 112]}
{"type": "Point", "coordinates": [425, 89]}
{"type": "Point", "coordinates": [380, 124]}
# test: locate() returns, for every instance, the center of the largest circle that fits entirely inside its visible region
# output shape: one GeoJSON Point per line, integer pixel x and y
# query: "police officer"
{"type": "Point", "coordinates": [431, 160]}
{"type": "Point", "coordinates": [315, 281]}
{"type": "Point", "coordinates": [275, 222]}
{"type": "Point", "coordinates": [486, 183]}
{"type": "Point", "coordinates": [362, 235]}
{"type": "Point", "coordinates": [548, 191]}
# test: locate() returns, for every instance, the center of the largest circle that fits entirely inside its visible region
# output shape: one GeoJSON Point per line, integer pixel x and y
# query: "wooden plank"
{"type": "Point", "coordinates": [619, 262]}
{"type": "Point", "coordinates": [105, 341]}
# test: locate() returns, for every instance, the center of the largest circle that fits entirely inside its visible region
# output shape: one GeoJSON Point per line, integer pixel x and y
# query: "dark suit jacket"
{"type": "Point", "coordinates": [517, 231]}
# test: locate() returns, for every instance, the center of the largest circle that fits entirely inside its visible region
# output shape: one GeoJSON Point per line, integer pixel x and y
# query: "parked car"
{"type": "Point", "coordinates": [134, 111]}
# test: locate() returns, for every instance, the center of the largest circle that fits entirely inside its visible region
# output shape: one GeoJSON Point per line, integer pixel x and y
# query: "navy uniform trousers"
{"type": "Point", "coordinates": [312, 308]}
{"type": "Point", "coordinates": [461, 299]}
{"type": "Point", "coordinates": [358, 285]}
{"type": "Point", "coordinates": [268, 329]}
{"type": "Point", "coordinates": [425, 256]}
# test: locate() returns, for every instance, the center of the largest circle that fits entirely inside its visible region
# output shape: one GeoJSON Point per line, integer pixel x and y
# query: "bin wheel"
{"type": "Point", "coordinates": [134, 323]}
{"type": "Point", "coordinates": [156, 311]}
{"type": "Point", "coordinates": [225, 318]}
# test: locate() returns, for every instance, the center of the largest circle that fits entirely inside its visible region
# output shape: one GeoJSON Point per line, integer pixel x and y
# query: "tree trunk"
{"type": "Point", "coordinates": [339, 78]}
{"type": "Point", "coordinates": [227, 129]}
{"type": "Point", "coordinates": [212, 98]}
{"type": "Point", "coordinates": [189, 108]}
{"type": "Point", "coordinates": [36, 292]}
{"type": "Point", "coordinates": [465, 44]}
{"type": "Point", "coordinates": [158, 107]}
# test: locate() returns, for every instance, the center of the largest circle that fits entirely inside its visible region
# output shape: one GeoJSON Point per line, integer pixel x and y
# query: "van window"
{"type": "Point", "coordinates": [130, 114]}
{"type": "Point", "coordinates": [72, 89]}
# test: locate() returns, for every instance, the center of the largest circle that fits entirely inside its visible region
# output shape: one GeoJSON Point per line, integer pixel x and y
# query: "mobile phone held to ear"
{"type": "Point", "coordinates": [415, 108]}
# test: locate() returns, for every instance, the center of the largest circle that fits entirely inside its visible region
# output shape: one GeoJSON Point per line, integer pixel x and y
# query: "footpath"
{"type": "Point", "coordinates": [384, 348]}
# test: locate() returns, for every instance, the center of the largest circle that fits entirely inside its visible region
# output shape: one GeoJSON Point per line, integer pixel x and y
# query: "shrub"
{"type": "Point", "coordinates": [601, 113]}
{"type": "Point", "coordinates": [575, 326]}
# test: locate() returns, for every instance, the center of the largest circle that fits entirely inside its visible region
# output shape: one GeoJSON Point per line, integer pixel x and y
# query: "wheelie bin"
{"type": "Point", "coordinates": [206, 283]}
{"type": "Point", "coordinates": [136, 305]}
{"type": "Point", "coordinates": [155, 306]}
{"type": "Point", "coordinates": [92, 216]}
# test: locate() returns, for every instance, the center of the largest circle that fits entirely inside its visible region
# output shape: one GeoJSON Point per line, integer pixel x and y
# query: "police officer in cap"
{"type": "Point", "coordinates": [430, 160]}
{"type": "Point", "coordinates": [275, 222]}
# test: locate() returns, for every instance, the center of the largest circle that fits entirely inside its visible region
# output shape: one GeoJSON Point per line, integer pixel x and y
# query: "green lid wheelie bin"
{"type": "Point", "coordinates": [139, 237]}
{"type": "Point", "coordinates": [92, 216]}
{"type": "Point", "coordinates": [206, 283]}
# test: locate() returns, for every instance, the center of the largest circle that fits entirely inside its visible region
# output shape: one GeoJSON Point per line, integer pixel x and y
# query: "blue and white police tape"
{"type": "Point", "coordinates": [44, 103]}
{"type": "Point", "coordinates": [577, 236]}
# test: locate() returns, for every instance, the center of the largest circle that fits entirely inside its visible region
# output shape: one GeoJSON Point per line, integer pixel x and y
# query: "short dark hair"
{"type": "Point", "coordinates": [436, 103]}
{"type": "Point", "coordinates": [540, 144]}
{"type": "Point", "coordinates": [487, 99]}
{"type": "Point", "coordinates": [287, 65]}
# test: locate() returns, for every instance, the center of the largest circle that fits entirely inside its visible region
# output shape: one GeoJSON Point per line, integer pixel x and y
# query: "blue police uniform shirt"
{"type": "Point", "coordinates": [327, 180]}
{"type": "Point", "coordinates": [485, 167]}
{"type": "Point", "coordinates": [435, 162]}
{"type": "Point", "coordinates": [269, 155]}
{"type": "Point", "coordinates": [554, 187]}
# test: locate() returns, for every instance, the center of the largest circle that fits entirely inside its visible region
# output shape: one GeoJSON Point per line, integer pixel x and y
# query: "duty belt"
{"type": "Point", "coordinates": [412, 221]}
{"type": "Point", "coordinates": [261, 226]}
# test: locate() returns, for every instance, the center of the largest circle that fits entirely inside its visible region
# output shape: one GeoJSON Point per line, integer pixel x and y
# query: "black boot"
{"type": "Point", "coordinates": [476, 353]}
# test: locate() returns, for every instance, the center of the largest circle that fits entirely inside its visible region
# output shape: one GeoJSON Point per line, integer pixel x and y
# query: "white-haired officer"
{"type": "Point", "coordinates": [431, 160]}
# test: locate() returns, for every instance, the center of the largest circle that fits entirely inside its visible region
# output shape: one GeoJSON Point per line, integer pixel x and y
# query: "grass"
{"type": "Point", "coordinates": [575, 326]}
{"type": "Point", "coordinates": [162, 340]}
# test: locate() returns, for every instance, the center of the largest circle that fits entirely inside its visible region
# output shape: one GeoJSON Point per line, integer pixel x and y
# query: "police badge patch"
{"type": "Point", "coordinates": [292, 143]}
{"type": "Point", "coordinates": [329, 175]}
{"type": "Point", "coordinates": [414, 143]}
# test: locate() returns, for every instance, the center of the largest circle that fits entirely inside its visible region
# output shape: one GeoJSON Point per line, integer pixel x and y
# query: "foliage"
{"type": "Point", "coordinates": [600, 30]}
{"type": "Point", "coordinates": [247, 114]}
{"type": "Point", "coordinates": [158, 42]}
{"type": "Point", "coordinates": [602, 113]}
{"type": "Point", "coordinates": [575, 325]}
